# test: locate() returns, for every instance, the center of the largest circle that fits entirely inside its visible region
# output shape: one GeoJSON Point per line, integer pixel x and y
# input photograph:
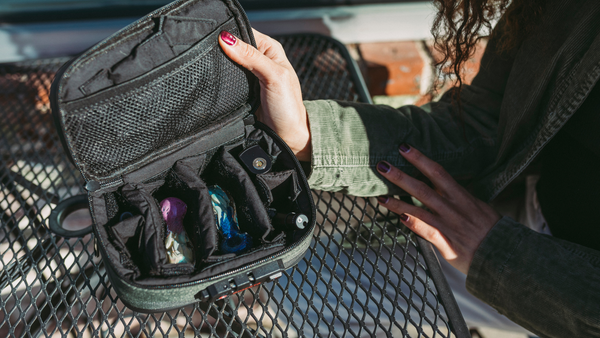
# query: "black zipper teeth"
{"type": "Point", "coordinates": [110, 183]}
{"type": "Point", "coordinates": [245, 18]}
{"type": "Point", "coordinates": [54, 107]}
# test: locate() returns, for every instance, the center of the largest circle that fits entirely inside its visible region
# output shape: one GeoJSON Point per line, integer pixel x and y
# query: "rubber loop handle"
{"type": "Point", "coordinates": [62, 211]}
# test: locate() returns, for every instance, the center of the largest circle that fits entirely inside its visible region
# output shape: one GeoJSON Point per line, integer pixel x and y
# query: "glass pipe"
{"type": "Point", "coordinates": [177, 242]}
{"type": "Point", "coordinates": [232, 239]}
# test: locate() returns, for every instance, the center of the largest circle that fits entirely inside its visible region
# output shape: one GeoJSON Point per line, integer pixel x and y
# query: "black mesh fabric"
{"type": "Point", "coordinates": [111, 135]}
{"type": "Point", "coordinates": [363, 275]}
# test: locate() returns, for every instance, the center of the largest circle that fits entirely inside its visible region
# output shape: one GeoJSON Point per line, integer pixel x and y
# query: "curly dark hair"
{"type": "Point", "coordinates": [458, 25]}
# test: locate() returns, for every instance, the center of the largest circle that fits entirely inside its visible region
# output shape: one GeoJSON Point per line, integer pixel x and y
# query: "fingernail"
{"type": "Point", "coordinates": [384, 167]}
{"type": "Point", "coordinates": [404, 217]}
{"type": "Point", "coordinates": [383, 199]}
{"type": "Point", "coordinates": [228, 38]}
{"type": "Point", "coordinates": [405, 148]}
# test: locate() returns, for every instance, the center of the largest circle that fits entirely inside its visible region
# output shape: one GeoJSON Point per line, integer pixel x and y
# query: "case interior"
{"type": "Point", "coordinates": [136, 244]}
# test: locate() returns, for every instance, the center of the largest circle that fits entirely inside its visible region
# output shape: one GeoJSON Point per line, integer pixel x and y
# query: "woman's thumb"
{"type": "Point", "coordinates": [246, 55]}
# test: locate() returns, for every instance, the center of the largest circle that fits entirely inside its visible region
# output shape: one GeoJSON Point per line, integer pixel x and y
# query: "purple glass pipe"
{"type": "Point", "coordinates": [177, 243]}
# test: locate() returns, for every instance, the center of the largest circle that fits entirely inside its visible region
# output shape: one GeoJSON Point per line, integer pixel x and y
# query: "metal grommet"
{"type": "Point", "coordinates": [259, 163]}
{"type": "Point", "coordinates": [256, 160]}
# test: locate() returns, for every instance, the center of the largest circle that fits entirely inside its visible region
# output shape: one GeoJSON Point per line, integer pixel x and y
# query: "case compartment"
{"type": "Point", "coordinates": [188, 180]}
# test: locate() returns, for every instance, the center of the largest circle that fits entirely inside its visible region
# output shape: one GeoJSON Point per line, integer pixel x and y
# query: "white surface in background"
{"type": "Point", "coordinates": [349, 24]}
{"type": "Point", "coordinates": [42, 40]}
{"type": "Point", "coordinates": [355, 24]}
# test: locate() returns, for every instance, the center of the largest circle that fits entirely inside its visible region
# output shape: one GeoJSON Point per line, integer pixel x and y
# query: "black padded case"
{"type": "Point", "coordinates": [158, 110]}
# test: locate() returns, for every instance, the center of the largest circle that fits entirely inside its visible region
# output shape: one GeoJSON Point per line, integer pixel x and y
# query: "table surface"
{"type": "Point", "coordinates": [364, 274]}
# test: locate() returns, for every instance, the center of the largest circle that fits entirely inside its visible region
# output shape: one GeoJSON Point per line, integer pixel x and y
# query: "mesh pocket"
{"type": "Point", "coordinates": [110, 135]}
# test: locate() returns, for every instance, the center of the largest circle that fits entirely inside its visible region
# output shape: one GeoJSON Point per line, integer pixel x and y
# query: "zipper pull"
{"type": "Point", "coordinates": [96, 251]}
{"type": "Point", "coordinates": [92, 186]}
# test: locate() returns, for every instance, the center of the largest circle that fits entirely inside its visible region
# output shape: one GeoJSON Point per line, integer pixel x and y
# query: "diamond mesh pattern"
{"type": "Point", "coordinates": [322, 69]}
{"type": "Point", "coordinates": [103, 134]}
{"type": "Point", "coordinates": [362, 276]}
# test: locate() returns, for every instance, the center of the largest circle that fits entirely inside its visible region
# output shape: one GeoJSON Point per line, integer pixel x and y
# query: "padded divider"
{"type": "Point", "coordinates": [200, 211]}
{"type": "Point", "coordinates": [283, 187]}
{"type": "Point", "coordinates": [274, 179]}
{"type": "Point", "coordinates": [151, 246]}
{"type": "Point", "coordinates": [125, 237]}
{"type": "Point", "coordinates": [229, 174]}
{"type": "Point", "coordinates": [280, 187]}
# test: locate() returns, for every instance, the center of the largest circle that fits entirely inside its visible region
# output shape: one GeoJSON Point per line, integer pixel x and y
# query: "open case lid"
{"type": "Point", "coordinates": [156, 86]}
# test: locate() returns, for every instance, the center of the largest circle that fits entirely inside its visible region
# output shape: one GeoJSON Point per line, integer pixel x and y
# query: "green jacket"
{"type": "Point", "coordinates": [516, 103]}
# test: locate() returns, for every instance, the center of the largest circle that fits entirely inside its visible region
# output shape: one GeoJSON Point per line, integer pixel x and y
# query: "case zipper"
{"type": "Point", "coordinates": [56, 111]}
{"type": "Point", "coordinates": [92, 185]}
{"type": "Point", "coordinates": [245, 17]}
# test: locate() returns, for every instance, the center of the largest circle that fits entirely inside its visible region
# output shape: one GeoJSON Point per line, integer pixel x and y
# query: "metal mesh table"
{"type": "Point", "coordinates": [364, 274]}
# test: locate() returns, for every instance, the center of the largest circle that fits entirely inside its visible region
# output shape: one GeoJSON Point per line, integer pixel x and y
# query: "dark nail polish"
{"type": "Point", "coordinates": [404, 217]}
{"type": "Point", "coordinates": [384, 167]}
{"type": "Point", "coordinates": [383, 199]}
{"type": "Point", "coordinates": [228, 38]}
{"type": "Point", "coordinates": [405, 148]}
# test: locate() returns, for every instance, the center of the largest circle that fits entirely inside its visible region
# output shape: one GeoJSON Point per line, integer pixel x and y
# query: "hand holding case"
{"type": "Point", "coordinates": [157, 110]}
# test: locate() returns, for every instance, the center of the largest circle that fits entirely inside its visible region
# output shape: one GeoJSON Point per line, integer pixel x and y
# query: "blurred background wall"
{"type": "Point", "coordinates": [389, 39]}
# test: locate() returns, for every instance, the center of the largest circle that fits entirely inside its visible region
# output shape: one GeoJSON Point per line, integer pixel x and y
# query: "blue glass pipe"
{"type": "Point", "coordinates": [233, 240]}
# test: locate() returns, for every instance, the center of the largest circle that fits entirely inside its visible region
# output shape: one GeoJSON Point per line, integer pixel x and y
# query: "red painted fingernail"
{"type": "Point", "coordinates": [384, 167]}
{"type": "Point", "coordinates": [405, 148]}
{"type": "Point", "coordinates": [228, 38]}
{"type": "Point", "coordinates": [404, 217]}
{"type": "Point", "coordinates": [383, 199]}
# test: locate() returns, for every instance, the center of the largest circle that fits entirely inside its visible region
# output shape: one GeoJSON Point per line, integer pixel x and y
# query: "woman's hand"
{"type": "Point", "coordinates": [282, 108]}
{"type": "Point", "coordinates": [457, 223]}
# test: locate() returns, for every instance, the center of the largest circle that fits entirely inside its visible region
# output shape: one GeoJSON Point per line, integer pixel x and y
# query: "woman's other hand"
{"type": "Point", "coordinates": [281, 98]}
{"type": "Point", "coordinates": [457, 222]}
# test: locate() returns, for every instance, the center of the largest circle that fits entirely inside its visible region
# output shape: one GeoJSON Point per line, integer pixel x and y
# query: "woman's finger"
{"type": "Point", "coordinates": [400, 207]}
{"type": "Point", "coordinates": [429, 233]}
{"type": "Point", "coordinates": [271, 48]}
{"type": "Point", "coordinates": [414, 187]}
{"type": "Point", "coordinates": [248, 57]}
{"type": "Point", "coordinates": [440, 178]}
